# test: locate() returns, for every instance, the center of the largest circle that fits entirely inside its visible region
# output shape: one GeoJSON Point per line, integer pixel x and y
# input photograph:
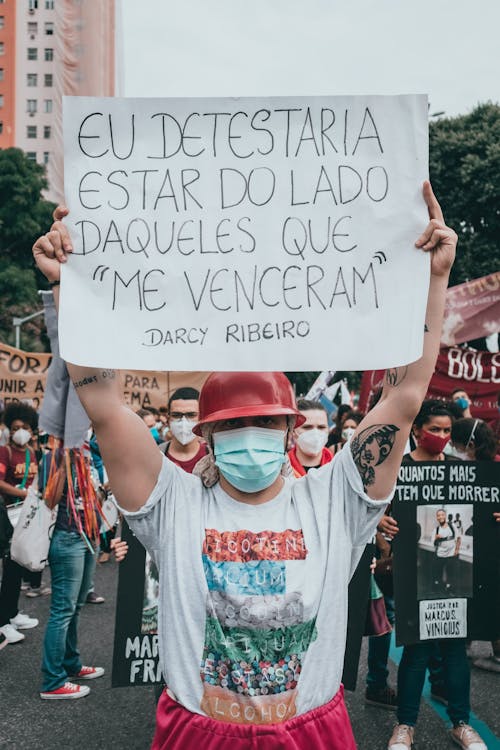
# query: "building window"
{"type": "Point", "coordinates": [31, 131]}
{"type": "Point", "coordinates": [1, 124]}
{"type": "Point", "coordinates": [45, 157]}
{"type": "Point", "coordinates": [31, 106]}
{"type": "Point", "coordinates": [49, 4]}
{"type": "Point", "coordinates": [2, 49]}
{"type": "Point", "coordinates": [1, 101]}
{"type": "Point", "coordinates": [1, 74]}
{"type": "Point", "coordinates": [32, 4]}
{"type": "Point", "coordinates": [46, 131]}
{"type": "Point", "coordinates": [49, 54]}
{"type": "Point", "coordinates": [49, 28]}
{"type": "Point", "coordinates": [31, 155]}
{"type": "Point", "coordinates": [32, 53]}
{"type": "Point", "coordinates": [47, 79]}
{"type": "Point", "coordinates": [47, 106]}
{"type": "Point", "coordinates": [2, 22]}
{"type": "Point", "coordinates": [32, 28]}
{"type": "Point", "coordinates": [32, 79]}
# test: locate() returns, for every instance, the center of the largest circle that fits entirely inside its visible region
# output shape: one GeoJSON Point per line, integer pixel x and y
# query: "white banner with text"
{"type": "Point", "coordinates": [245, 234]}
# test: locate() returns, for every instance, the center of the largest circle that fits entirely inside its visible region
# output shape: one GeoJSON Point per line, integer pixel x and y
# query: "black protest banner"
{"type": "Point", "coordinates": [135, 652]}
{"type": "Point", "coordinates": [359, 588]}
{"type": "Point", "coordinates": [447, 552]}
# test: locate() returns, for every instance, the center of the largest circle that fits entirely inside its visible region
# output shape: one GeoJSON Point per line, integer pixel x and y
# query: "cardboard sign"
{"type": "Point", "coordinates": [22, 376]}
{"type": "Point", "coordinates": [447, 552]}
{"type": "Point", "coordinates": [244, 234]}
{"type": "Point", "coordinates": [135, 653]}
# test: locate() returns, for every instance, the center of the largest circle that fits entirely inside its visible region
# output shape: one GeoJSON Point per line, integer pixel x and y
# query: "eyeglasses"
{"type": "Point", "coordinates": [187, 414]}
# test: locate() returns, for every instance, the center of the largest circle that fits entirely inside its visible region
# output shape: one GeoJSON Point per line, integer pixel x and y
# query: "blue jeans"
{"type": "Point", "coordinates": [72, 568]}
{"type": "Point", "coordinates": [378, 651]}
{"type": "Point", "coordinates": [456, 673]}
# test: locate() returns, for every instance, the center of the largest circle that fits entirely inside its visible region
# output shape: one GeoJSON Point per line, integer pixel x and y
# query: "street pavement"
{"type": "Point", "coordinates": [123, 718]}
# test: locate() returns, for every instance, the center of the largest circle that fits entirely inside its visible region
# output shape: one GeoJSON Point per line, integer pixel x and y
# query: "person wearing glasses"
{"type": "Point", "coordinates": [184, 448]}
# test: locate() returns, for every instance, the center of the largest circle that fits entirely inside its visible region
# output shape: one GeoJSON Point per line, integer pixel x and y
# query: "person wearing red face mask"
{"type": "Point", "coordinates": [450, 683]}
{"type": "Point", "coordinates": [431, 431]}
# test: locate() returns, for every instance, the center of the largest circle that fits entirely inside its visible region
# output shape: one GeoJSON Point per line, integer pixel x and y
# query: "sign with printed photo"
{"type": "Point", "coordinates": [447, 552]}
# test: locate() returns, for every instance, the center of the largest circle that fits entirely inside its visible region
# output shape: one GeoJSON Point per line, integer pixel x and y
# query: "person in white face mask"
{"type": "Point", "coordinates": [310, 438]}
{"type": "Point", "coordinates": [349, 425]}
{"type": "Point", "coordinates": [184, 448]}
{"type": "Point", "coordinates": [18, 467]}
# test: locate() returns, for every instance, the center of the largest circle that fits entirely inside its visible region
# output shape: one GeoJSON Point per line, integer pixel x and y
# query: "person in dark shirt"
{"type": "Point", "coordinates": [17, 470]}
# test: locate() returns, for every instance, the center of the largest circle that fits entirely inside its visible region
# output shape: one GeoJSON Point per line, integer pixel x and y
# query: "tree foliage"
{"type": "Point", "coordinates": [465, 174]}
{"type": "Point", "coordinates": [24, 215]}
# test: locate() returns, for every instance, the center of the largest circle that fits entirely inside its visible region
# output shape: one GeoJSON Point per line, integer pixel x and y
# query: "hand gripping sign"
{"type": "Point", "coordinates": [250, 234]}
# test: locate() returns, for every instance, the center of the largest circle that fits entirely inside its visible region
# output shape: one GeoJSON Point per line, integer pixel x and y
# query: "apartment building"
{"type": "Point", "coordinates": [49, 48]}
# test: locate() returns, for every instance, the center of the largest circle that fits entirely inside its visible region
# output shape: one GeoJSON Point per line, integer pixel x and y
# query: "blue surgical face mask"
{"type": "Point", "coordinates": [250, 458]}
{"type": "Point", "coordinates": [462, 402]}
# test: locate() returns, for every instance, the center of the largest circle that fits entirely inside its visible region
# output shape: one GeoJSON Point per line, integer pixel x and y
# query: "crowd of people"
{"type": "Point", "coordinates": [256, 515]}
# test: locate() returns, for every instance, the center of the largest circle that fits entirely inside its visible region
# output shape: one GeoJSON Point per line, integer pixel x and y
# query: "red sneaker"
{"type": "Point", "coordinates": [66, 691]}
{"type": "Point", "coordinates": [88, 673]}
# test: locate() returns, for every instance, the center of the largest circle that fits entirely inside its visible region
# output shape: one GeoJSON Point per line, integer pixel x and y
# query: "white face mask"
{"type": "Point", "coordinates": [21, 437]}
{"type": "Point", "coordinates": [182, 430]}
{"type": "Point", "coordinates": [462, 455]}
{"type": "Point", "coordinates": [348, 433]}
{"type": "Point", "coordinates": [312, 442]}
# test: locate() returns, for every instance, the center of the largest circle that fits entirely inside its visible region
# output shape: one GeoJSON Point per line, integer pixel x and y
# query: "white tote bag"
{"type": "Point", "coordinates": [31, 538]}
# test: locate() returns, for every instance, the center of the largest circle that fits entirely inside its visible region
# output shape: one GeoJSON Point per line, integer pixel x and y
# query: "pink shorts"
{"type": "Point", "coordinates": [324, 728]}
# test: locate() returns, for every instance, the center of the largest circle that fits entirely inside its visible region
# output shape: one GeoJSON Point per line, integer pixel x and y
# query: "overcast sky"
{"type": "Point", "coordinates": [448, 49]}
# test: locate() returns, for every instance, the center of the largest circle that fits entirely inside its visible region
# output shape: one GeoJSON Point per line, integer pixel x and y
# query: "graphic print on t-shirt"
{"type": "Point", "coordinates": [255, 633]}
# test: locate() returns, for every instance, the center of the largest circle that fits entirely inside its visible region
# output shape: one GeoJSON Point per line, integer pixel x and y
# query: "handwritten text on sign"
{"type": "Point", "coordinates": [245, 233]}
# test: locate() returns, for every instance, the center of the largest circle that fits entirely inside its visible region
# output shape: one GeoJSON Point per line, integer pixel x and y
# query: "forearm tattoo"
{"type": "Point", "coordinates": [395, 375]}
{"type": "Point", "coordinates": [100, 377]}
{"type": "Point", "coordinates": [370, 449]}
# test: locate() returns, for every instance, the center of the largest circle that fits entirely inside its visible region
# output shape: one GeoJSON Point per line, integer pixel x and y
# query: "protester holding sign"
{"type": "Point", "coordinates": [432, 431]}
{"type": "Point", "coordinates": [225, 551]}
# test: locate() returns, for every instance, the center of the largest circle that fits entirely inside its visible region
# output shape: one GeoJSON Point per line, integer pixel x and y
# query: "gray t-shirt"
{"type": "Point", "coordinates": [253, 599]}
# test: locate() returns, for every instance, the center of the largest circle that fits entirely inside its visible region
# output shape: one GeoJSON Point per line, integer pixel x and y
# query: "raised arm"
{"type": "Point", "coordinates": [129, 451]}
{"type": "Point", "coordinates": [380, 439]}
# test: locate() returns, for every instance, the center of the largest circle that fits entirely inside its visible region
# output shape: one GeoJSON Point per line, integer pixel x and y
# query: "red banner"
{"type": "Point", "coordinates": [478, 373]}
{"type": "Point", "coordinates": [472, 310]}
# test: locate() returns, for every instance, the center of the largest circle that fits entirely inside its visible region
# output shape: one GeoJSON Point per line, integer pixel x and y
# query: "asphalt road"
{"type": "Point", "coordinates": [123, 718]}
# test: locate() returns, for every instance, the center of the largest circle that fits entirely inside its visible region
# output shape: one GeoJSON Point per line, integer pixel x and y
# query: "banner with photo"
{"type": "Point", "coordinates": [447, 552]}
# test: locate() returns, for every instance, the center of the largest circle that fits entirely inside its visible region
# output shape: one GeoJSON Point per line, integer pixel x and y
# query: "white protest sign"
{"type": "Point", "coordinates": [443, 618]}
{"type": "Point", "coordinates": [245, 234]}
